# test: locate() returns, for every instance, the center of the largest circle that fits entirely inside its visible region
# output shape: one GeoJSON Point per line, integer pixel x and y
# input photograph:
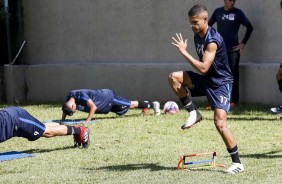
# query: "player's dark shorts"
{"type": "Point", "coordinates": [120, 105]}
{"type": "Point", "coordinates": [218, 97]}
{"type": "Point", "coordinates": [26, 125]}
{"type": "Point", "coordinates": [281, 65]}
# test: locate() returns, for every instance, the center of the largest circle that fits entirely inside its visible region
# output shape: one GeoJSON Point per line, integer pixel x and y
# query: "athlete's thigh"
{"type": "Point", "coordinates": [120, 105]}
{"type": "Point", "coordinates": [198, 84]}
{"type": "Point", "coordinates": [220, 115]}
{"type": "Point", "coordinates": [28, 126]}
{"type": "Point", "coordinates": [219, 97]}
{"type": "Point", "coordinates": [118, 100]}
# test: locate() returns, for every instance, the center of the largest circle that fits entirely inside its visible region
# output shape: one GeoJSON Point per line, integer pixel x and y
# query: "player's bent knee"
{"type": "Point", "coordinates": [170, 78]}
{"type": "Point", "coordinates": [279, 74]}
{"type": "Point", "coordinates": [220, 125]}
{"type": "Point", "coordinates": [173, 77]}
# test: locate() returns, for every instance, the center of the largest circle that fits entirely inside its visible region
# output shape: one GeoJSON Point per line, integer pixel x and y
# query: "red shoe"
{"type": "Point", "coordinates": [82, 138]}
{"type": "Point", "coordinates": [232, 104]}
{"type": "Point", "coordinates": [144, 112]}
{"type": "Point", "coordinates": [208, 108]}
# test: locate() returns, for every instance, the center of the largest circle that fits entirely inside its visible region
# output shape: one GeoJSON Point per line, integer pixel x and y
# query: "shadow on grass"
{"type": "Point", "coordinates": [242, 108]}
{"type": "Point", "coordinates": [117, 116]}
{"type": "Point", "coordinates": [152, 167]}
{"type": "Point", "coordinates": [105, 116]}
{"type": "Point", "coordinates": [132, 167]}
{"type": "Point", "coordinates": [246, 119]}
{"type": "Point", "coordinates": [252, 119]}
{"type": "Point", "coordinates": [267, 155]}
{"type": "Point", "coordinates": [47, 150]}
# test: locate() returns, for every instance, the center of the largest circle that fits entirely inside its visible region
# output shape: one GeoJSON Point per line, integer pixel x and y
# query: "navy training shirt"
{"type": "Point", "coordinates": [219, 72]}
{"type": "Point", "coordinates": [228, 24]}
{"type": "Point", "coordinates": [8, 119]}
{"type": "Point", "coordinates": [102, 98]}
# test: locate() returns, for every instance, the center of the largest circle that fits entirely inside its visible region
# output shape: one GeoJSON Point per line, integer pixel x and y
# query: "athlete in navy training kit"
{"type": "Point", "coordinates": [102, 101]}
{"type": "Point", "coordinates": [214, 80]}
{"type": "Point", "coordinates": [17, 122]}
{"type": "Point", "coordinates": [229, 19]}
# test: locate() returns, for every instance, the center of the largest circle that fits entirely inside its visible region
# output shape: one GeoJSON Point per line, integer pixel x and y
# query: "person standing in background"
{"type": "Point", "coordinates": [229, 19]}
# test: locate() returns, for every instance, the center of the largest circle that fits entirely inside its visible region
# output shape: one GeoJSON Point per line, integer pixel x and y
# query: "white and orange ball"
{"type": "Point", "coordinates": [170, 107]}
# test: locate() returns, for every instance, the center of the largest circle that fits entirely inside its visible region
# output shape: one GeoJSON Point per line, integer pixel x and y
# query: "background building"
{"type": "Point", "coordinates": [126, 45]}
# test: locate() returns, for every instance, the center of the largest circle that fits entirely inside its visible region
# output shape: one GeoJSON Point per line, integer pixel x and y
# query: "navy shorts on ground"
{"type": "Point", "coordinates": [218, 97]}
{"type": "Point", "coordinates": [120, 105]}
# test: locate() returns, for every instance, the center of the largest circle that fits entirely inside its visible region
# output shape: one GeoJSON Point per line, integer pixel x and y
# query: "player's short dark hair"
{"type": "Point", "coordinates": [197, 9]}
{"type": "Point", "coordinates": [67, 110]}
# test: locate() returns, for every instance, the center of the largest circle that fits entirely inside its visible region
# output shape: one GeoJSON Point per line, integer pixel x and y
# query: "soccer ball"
{"type": "Point", "coordinates": [171, 107]}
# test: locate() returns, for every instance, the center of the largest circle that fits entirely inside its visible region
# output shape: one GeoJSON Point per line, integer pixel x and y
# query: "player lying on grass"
{"type": "Point", "coordinates": [17, 122]}
{"type": "Point", "coordinates": [102, 101]}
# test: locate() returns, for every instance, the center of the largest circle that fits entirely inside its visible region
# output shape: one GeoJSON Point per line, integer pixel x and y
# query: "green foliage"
{"type": "Point", "coordinates": [136, 149]}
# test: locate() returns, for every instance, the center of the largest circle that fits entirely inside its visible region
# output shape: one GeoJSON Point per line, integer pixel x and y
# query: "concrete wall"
{"type": "Point", "coordinates": [125, 45]}
{"type": "Point", "coordinates": [50, 83]}
{"type": "Point", "coordinates": [135, 31]}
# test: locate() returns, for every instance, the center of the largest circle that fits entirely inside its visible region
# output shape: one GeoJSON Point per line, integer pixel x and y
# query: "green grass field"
{"type": "Point", "coordinates": [136, 149]}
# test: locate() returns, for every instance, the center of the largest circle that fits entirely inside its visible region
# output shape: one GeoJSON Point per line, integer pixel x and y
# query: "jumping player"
{"type": "Point", "coordinates": [214, 80]}
{"type": "Point", "coordinates": [102, 101]}
{"type": "Point", "coordinates": [17, 122]}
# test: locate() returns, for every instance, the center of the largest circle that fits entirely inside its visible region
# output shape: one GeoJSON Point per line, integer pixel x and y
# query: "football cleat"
{"type": "Point", "coordinates": [157, 109]}
{"type": "Point", "coordinates": [82, 140]}
{"type": "Point", "coordinates": [276, 110]}
{"type": "Point", "coordinates": [194, 118]}
{"type": "Point", "coordinates": [76, 140]}
{"type": "Point", "coordinates": [235, 168]}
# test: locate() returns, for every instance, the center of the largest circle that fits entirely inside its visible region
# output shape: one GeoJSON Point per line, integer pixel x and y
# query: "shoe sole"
{"type": "Point", "coordinates": [234, 173]}
{"type": "Point", "coordinates": [198, 120]}
{"type": "Point", "coordinates": [275, 112]}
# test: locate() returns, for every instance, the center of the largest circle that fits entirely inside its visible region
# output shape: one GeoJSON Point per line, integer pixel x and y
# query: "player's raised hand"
{"type": "Point", "coordinates": [179, 42]}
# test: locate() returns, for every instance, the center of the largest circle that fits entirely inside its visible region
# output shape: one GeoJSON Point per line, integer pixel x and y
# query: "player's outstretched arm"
{"type": "Point", "coordinates": [92, 110]}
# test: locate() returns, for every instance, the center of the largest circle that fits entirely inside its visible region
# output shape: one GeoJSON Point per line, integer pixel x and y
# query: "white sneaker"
{"type": "Point", "coordinates": [194, 118]}
{"type": "Point", "coordinates": [157, 109]}
{"type": "Point", "coordinates": [235, 168]}
{"type": "Point", "coordinates": [276, 110]}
